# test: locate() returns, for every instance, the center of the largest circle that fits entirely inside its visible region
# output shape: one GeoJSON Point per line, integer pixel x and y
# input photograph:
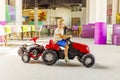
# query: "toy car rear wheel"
{"type": "Point", "coordinates": [35, 52]}
{"type": "Point", "coordinates": [25, 58]}
{"type": "Point", "coordinates": [49, 57]}
{"type": "Point", "coordinates": [88, 60]}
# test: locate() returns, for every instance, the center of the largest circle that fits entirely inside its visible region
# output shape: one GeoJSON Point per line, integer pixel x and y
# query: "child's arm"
{"type": "Point", "coordinates": [64, 36]}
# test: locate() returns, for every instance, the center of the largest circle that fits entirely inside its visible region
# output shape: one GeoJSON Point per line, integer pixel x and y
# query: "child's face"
{"type": "Point", "coordinates": [61, 24]}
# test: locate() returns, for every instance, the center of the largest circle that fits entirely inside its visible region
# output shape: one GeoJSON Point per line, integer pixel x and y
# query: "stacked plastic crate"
{"type": "Point", "coordinates": [116, 34]}
{"type": "Point", "coordinates": [88, 31]}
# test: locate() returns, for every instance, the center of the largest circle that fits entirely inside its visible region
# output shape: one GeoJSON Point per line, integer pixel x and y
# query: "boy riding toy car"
{"type": "Point", "coordinates": [53, 52]}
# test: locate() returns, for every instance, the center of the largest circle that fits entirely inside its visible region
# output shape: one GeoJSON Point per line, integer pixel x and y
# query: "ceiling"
{"type": "Point", "coordinates": [30, 4]}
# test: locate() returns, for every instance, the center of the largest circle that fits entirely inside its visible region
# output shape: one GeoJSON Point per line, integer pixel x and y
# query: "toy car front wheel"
{"type": "Point", "coordinates": [25, 58]}
{"type": "Point", "coordinates": [49, 57]}
{"type": "Point", "coordinates": [88, 60]}
{"type": "Point", "coordinates": [79, 59]}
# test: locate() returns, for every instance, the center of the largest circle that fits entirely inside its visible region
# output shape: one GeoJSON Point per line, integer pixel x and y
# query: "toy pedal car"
{"type": "Point", "coordinates": [53, 53]}
{"type": "Point", "coordinates": [30, 51]}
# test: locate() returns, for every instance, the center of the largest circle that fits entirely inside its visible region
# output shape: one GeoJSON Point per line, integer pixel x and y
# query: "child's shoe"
{"type": "Point", "coordinates": [66, 59]}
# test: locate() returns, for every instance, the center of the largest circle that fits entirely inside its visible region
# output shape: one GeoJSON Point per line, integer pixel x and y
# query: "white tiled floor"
{"type": "Point", "coordinates": [107, 66]}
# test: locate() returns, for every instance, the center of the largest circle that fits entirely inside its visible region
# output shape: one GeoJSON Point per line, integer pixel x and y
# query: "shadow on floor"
{"type": "Point", "coordinates": [35, 62]}
{"type": "Point", "coordinates": [64, 64]}
{"type": "Point", "coordinates": [98, 66]}
{"type": "Point", "coordinates": [71, 64]}
{"type": "Point", "coordinates": [58, 63]}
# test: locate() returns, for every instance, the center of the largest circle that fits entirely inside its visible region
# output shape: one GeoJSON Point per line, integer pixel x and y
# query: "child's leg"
{"type": "Point", "coordinates": [66, 51]}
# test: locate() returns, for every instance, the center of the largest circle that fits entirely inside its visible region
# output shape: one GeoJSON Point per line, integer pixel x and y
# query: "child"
{"type": "Point", "coordinates": [59, 36]}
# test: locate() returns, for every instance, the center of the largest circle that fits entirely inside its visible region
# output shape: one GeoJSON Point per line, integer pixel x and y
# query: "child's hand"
{"type": "Point", "coordinates": [70, 36]}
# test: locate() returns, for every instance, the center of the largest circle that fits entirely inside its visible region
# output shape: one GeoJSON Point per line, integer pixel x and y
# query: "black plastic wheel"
{"type": "Point", "coordinates": [20, 52]}
{"type": "Point", "coordinates": [25, 58]}
{"type": "Point", "coordinates": [88, 60]}
{"type": "Point", "coordinates": [35, 52]}
{"type": "Point", "coordinates": [49, 57]}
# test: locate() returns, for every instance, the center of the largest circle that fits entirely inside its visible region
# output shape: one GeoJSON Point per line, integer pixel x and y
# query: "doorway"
{"type": "Point", "coordinates": [76, 21]}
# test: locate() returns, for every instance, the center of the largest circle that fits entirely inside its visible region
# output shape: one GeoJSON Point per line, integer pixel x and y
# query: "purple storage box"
{"type": "Point", "coordinates": [116, 34]}
{"type": "Point", "coordinates": [100, 36]}
{"type": "Point", "coordinates": [84, 27]}
{"type": "Point", "coordinates": [88, 31]}
{"type": "Point", "coordinates": [116, 29]}
{"type": "Point", "coordinates": [87, 34]}
{"type": "Point", "coordinates": [116, 39]}
{"type": "Point", "coordinates": [88, 27]}
{"type": "Point", "coordinates": [91, 24]}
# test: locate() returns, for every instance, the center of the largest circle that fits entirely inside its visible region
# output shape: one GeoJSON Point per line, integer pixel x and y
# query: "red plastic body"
{"type": "Point", "coordinates": [52, 46]}
{"type": "Point", "coordinates": [32, 56]}
{"type": "Point", "coordinates": [81, 47]}
{"type": "Point", "coordinates": [78, 46]}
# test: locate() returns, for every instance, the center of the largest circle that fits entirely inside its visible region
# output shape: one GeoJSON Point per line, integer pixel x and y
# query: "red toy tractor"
{"type": "Point", "coordinates": [53, 52]}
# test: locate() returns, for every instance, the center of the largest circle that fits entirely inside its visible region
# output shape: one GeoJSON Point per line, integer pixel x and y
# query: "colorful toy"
{"type": "Point", "coordinates": [30, 51]}
{"type": "Point", "coordinates": [54, 52]}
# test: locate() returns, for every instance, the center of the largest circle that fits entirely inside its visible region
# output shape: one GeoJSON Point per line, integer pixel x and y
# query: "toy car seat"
{"type": "Point", "coordinates": [51, 42]}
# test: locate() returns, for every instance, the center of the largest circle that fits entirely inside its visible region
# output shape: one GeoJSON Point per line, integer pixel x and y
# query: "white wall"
{"type": "Point", "coordinates": [101, 11]}
{"type": "Point", "coordinates": [114, 11]}
{"type": "Point", "coordinates": [2, 10]}
{"type": "Point", "coordinates": [60, 12]}
{"type": "Point", "coordinates": [83, 16]}
{"type": "Point", "coordinates": [76, 14]}
{"type": "Point", "coordinates": [109, 2]}
{"type": "Point", "coordinates": [90, 11]}
{"type": "Point", "coordinates": [19, 12]}
{"type": "Point", "coordinates": [65, 13]}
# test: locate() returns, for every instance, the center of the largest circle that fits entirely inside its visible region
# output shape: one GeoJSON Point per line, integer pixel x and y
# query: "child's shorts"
{"type": "Point", "coordinates": [62, 43]}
